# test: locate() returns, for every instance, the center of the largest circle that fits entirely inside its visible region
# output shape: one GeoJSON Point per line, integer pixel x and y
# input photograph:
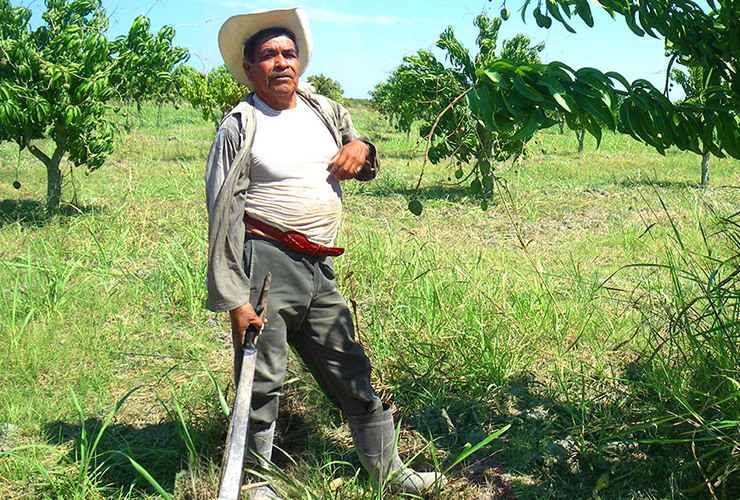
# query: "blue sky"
{"type": "Point", "coordinates": [360, 43]}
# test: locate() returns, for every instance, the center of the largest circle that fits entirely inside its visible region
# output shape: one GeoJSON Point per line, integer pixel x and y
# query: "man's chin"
{"type": "Point", "coordinates": [284, 88]}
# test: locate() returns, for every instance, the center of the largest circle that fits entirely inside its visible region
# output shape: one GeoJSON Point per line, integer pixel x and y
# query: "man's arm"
{"type": "Point", "coordinates": [348, 162]}
{"type": "Point", "coordinates": [223, 151]}
{"type": "Point", "coordinates": [220, 158]}
{"type": "Point", "coordinates": [349, 134]}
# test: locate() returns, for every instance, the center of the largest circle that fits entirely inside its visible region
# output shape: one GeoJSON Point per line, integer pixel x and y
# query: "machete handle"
{"type": "Point", "coordinates": [251, 334]}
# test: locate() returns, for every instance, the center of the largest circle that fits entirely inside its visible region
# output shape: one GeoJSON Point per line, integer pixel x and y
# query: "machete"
{"type": "Point", "coordinates": [232, 473]}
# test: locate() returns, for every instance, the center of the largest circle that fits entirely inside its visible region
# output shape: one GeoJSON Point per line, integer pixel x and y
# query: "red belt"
{"type": "Point", "coordinates": [294, 241]}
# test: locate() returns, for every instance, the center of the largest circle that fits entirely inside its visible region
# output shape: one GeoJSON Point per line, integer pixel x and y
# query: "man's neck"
{"type": "Point", "coordinates": [280, 103]}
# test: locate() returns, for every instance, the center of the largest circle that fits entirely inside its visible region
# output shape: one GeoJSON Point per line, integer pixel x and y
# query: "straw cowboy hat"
{"type": "Point", "coordinates": [238, 29]}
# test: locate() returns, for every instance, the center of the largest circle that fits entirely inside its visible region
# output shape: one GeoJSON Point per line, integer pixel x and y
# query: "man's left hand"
{"type": "Point", "coordinates": [348, 161]}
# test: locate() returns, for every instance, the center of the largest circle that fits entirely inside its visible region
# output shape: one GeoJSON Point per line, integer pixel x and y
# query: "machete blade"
{"type": "Point", "coordinates": [232, 473]}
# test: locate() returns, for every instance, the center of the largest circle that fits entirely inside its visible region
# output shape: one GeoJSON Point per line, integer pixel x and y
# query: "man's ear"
{"type": "Point", "coordinates": [247, 69]}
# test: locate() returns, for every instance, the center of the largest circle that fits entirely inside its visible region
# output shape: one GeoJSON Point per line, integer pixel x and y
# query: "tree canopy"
{"type": "Point", "coordinates": [327, 87]}
{"type": "Point", "coordinates": [54, 83]}
{"type": "Point", "coordinates": [145, 63]}
{"type": "Point", "coordinates": [423, 88]}
{"type": "Point", "coordinates": [214, 94]}
{"type": "Point", "coordinates": [510, 99]}
{"type": "Point", "coordinates": [58, 82]}
{"type": "Point", "coordinates": [512, 94]}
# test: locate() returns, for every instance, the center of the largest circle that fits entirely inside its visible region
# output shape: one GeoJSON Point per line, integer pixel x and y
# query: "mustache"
{"type": "Point", "coordinates": [279, 74]}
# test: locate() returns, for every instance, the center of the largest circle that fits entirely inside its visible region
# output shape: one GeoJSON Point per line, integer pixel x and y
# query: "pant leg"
{"type": "Point", "coordinates": [326, 343]}
{"type": "Point", "coordinates": [290, 294]}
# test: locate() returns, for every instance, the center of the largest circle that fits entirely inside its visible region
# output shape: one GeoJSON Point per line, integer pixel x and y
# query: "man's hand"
{"type": "Point", "coordinates": [241, 318]}
{"type": "Point", "coordinates": [348, 161]}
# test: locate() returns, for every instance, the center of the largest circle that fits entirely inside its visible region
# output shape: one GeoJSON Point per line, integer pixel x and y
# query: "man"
{"type": "Point", "coordinates": [274, 202]}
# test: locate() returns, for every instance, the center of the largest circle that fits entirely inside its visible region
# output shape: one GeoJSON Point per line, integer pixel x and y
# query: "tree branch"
{"type": "Point", "coordinates": [668, 73]}
{"type": "Point", "coordinates": [431, 133]}
{"type": "Point", "coordinates": [38, 153]}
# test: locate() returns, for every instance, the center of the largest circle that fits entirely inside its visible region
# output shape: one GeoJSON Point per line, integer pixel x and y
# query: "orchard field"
{"type": "Point", "coordinates": [592, 308]}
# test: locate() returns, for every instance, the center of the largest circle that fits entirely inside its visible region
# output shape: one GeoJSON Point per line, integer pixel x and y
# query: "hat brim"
{"type": "Point", "coordinates": [238, 29]}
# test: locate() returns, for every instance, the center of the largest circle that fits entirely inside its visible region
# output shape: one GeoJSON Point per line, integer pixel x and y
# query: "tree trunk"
{"type": "Point", "coordinates": [53, 171]}
{"type": "Point", "coordinates": [581, 135]}
{"type": "Point", "coordinates": [138, 107]}
{"type": "Point", "coordinates": [53, 187]}
{"type": "Point", "coordinates": [159, 114]}
{"type": "Point", "coordinates": [705, 170]}
{"type": "Point", "coordinates": [562, 126]}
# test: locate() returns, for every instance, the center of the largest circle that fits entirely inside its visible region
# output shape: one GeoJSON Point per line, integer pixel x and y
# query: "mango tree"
{"type": "Point", "coordinates": [425, 90]}
{"type": "Point", "coordinates": [512, 96]}
{"type": "Point", "coordinates": [54, 84]}
{"type": "Point", "coordinates": [514, 99]}
{"type": "Point", "coordinates": [327, 87]}
{"type": "Point", "coordinates": [692, 84]}
{"type": "Point", "coordinates": [145, 64]}
{"type": "Point", "coordinates": [213, 94]}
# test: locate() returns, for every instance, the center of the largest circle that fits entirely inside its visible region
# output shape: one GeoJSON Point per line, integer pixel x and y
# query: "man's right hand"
{"type": "Point", "coordinates": [241, 318]}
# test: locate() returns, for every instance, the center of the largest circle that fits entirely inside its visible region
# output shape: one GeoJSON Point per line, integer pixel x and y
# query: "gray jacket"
{"type": "Point", "coordinates": [226, 193]}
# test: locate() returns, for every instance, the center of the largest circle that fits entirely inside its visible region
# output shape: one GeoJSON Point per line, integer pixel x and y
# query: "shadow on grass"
{"type": "Point", "coordinates": [648, 182]}
{"type": "Point", "coordinates": [598, 447]}
{"type": "Point", "coordinates": [303, 440]}
{"type": "Point", "coordinates": [158, 448]}
{"type": "Point", "coordinates": [452, 193]}
{"type": "Point", "coordinates": [32, 213]}
{"type": "Point", "coordinates": [555, 448]}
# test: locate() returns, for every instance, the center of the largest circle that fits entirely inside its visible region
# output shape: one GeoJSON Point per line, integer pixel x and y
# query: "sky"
{"type": "Point", "coordinates": [360, 43]}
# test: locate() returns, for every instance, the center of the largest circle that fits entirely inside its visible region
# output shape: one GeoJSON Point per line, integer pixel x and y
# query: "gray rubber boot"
{"type": "Point", "coordinates": [260, 441]}
{"type": "Point", "coordinates": [374, 436]}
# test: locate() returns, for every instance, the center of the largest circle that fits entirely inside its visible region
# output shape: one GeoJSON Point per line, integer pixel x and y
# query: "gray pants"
{"type": "Point", "coordinates": [307, 312]}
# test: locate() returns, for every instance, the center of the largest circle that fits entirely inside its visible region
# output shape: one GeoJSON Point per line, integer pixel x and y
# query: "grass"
{"type": "Point", "coordinates": [592, 307]}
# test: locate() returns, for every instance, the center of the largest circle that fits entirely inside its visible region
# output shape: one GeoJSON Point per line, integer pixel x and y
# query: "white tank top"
{"type": "Point", "coordinates": [289, 183]}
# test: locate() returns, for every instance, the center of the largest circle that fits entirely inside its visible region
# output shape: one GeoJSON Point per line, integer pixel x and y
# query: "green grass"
{"type": "Point", "coordinates": [469, 330]}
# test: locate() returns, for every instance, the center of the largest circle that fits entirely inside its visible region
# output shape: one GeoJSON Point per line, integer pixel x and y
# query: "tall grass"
{"type": "Point", "coordinates": [693, 370]}
{"type": "Point", "coordinates": [618, 380]}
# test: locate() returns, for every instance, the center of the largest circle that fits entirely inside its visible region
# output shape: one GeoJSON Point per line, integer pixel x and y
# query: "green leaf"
{"type": "Point", "coordinates": [616, 76]}
{"type": "Point", "coordinates": [557, 91]}
{"type": "Point", "coordinates": [552, 8]}
{"type": "Point", "coordinates": [629, 17]}
{"type": "Point", "coordinates": [145, 474]}
{"type": "Point", "coordinates": [524, 10]}
{"type": "Point", "coordinates": [496, 79]}
{"type": "Point", "coordinates": [526, 90]}
{"type": "Point", "coordinates": [469, 449]}
{"type": "Point", "coordinates": [584, 10]}
{"type": "Point", "coordinates": [529, 128]}
{"type": "Point", "coordinates": [221, 398]}
{"type": "Point", "coordinates": [593, 128]}
{"type": "Point", "coordinates": [415, 207]}
{"type": "Point", "coordinates": [647, 19]}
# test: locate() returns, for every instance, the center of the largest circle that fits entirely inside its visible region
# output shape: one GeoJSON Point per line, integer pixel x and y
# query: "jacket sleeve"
{"type": "Point", "coordinates": [227, 180]}
{"type": "Point", "coordinates": [220, 157]}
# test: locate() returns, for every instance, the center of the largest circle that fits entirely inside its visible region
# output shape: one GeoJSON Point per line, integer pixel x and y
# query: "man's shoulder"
{"type": "Point", "coordinates": [328, 107]}
{"type": "Point", "coordinates": [242, 107]}
{"type": "Point", "coordinates": [233, 123]}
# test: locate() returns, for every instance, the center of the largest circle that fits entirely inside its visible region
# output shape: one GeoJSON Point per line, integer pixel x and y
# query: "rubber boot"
{"type": "Point", "coordinates": [260, 441]}
{"type": "Point", "coordinates": [374, 436]}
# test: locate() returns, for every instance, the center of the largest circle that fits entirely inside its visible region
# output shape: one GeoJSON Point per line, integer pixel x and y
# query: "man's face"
{"type": "Point", "coordinates": [274, 72]}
